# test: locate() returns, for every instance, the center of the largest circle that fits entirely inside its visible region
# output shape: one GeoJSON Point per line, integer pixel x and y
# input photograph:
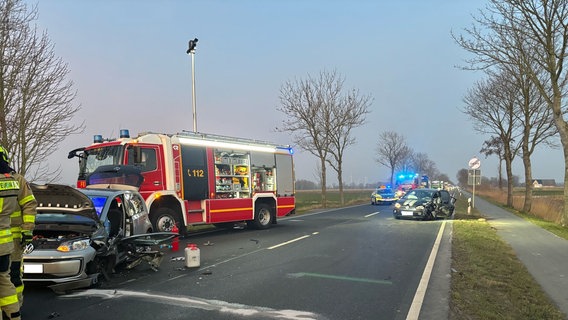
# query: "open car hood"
{"type": "Point", "coordinates": [115, 177]}
{"type": "Point", "coordinates": [64, 199]}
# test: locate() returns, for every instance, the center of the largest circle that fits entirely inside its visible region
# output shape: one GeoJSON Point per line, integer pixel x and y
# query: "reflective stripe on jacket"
{"type": "Point", "coordinates": [9, 190]}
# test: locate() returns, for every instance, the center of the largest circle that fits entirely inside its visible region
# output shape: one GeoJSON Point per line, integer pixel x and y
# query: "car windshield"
{"type": "Point", "coordinates": [419, 194]}
{"type": "Point", "coordinates": [384, 191]}
{"type": "Point", "coordinates": [96, 157]}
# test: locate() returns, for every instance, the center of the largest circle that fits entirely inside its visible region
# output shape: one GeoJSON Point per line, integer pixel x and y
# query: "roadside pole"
{"type": "Point", "coordinates": [474, 177]}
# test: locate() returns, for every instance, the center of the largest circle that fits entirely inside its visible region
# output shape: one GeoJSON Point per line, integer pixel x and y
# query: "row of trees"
{"type": "Point", "coordinates": [394, 153]}
{"type": "Point", "coordinates": [521, 46]}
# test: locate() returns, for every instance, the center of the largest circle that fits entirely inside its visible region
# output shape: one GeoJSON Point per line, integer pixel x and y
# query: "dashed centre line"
{"type": "Point", "coordinates": [290, 241]}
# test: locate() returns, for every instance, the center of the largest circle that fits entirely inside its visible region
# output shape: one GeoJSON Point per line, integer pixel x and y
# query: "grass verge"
{"type": "Point", "coordinates": [488, 281]}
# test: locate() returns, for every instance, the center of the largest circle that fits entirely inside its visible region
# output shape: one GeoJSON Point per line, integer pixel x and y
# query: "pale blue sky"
{"type": "Point", "coordinates": [129, 64]}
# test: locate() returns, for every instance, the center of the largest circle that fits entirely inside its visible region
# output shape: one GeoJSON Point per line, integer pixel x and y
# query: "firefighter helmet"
{"type": "Point", "coordinates": [4, 154]}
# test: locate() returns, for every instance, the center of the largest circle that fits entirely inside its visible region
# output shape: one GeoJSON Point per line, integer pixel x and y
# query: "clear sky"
{"type": "Point", "coordinates": [130, 68]}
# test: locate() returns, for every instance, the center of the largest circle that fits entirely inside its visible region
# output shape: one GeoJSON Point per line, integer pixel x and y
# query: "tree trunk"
{"type": "Point", "coordinates": [323, 184]}
{"type": "Point", "coordinates": [340, 180]}
{"type": "Point", "coordinates": [528, 182]}
{"type": "Point", "coordinates": [509, 170]}
{"type": "Point", "coordinates": [562, 127]}
{"type": "Point", "coordinates": [500, 174]}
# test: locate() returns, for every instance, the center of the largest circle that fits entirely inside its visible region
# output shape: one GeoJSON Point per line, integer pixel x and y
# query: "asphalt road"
{"type": "Point", "coordinates": [350, 263]}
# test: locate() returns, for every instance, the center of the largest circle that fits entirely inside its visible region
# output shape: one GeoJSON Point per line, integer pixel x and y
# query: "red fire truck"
{"type": "Point", "coordinates": [195, 178]}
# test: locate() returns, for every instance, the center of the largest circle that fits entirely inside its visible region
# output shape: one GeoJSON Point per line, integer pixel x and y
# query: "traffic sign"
{"type": "Point", "coordinates": [473, 177]}
{"type": "Point", "coordinates": [474, 163]}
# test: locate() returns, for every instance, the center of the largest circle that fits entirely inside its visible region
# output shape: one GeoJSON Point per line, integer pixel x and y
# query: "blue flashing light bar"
{"type": "Point", "coordinates": [289, 149]}
{"type": "Point", "coordinates": [124, 133]}
{"type": "Point", "coordinates": [97, 138]}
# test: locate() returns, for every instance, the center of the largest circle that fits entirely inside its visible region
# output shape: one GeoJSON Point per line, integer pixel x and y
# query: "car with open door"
{"type": "Point", "coordinates": [81, 235]}
{"type": "Point", "coordinates": [425, 204]}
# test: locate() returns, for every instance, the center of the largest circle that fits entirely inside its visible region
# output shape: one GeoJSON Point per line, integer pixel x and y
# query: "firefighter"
{"type": "Point", "coordinates": [9, 190]}
{"type": "Point", "coordinates": [22, 223]}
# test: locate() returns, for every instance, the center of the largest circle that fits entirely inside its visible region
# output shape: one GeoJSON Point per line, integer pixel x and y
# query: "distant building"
{"type": "Point", "coordinates": [540, 183]}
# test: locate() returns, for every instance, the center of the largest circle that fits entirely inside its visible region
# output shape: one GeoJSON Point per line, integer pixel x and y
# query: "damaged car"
{"type": "Point", "coordinates": [425, 204]}
{"type": "Point", "coordinates": [81, 235]}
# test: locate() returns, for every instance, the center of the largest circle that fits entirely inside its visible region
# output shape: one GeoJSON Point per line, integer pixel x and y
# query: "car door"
{"type": "Point", "coordinates": [446, 207]}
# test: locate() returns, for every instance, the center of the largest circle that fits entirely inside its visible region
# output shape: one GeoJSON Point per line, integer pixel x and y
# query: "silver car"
{"type": "Point", "coordinates": [82, 234]}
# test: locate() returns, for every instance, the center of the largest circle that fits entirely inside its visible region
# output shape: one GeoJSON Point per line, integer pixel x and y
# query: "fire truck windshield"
{"type": "Point", "coordinates": [96, 157]}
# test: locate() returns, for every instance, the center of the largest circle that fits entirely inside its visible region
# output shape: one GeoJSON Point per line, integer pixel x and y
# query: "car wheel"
{"type": "Point", "coordinates": [262, 217]}
{"type": "Point", "coordinates": [164, 220]}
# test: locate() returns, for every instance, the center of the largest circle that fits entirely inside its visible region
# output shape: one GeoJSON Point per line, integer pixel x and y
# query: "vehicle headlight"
{"type": "Point", "coordinates": [420, 207]}
{"type": "Point", "coordinates": [74, 245]}
{"type": "Point", "coordinates": [397, 205]}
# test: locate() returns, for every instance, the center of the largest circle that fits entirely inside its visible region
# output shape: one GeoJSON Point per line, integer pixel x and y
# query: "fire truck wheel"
{"type": "Point", "coordinates": [262, 217]}
{"type": "Point", "coordinates": [165, 219]}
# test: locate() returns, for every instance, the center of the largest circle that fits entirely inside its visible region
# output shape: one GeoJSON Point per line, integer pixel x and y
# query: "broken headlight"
{"type": "Point", "coordinates": [74, 245]}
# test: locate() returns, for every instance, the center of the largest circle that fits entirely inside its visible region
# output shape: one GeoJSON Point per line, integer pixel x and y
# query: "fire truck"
{"type": "Point", "coordinates": [195, 178]}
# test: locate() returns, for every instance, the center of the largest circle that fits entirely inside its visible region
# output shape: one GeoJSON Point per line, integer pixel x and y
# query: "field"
{"type": "Point", "coordinates": [311, 199]}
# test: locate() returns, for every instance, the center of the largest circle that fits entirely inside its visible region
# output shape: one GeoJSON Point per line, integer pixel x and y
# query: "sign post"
{"type": "Point", "coordinates": [474, 177]}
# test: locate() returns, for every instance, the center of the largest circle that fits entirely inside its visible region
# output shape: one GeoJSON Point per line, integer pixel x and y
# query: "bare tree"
{"type": "Point", "coordinates": [463, 177]}
{"type": "Point", "coordinates": [491, 147]}
{"type": "Point", "coordinates": [392, 150]}
{"type": "Point", "coordinates": [306, 106]}
{"type": "Point", "coordinates": [36, 99]}
{"type": "Point", "coordinates": [491, 107]}
{"type": "Point", "coordinates": [322, 116]}
{"type": "Point", "coordinates": [348, 114]}
{"type": "Point", "coordinates": [541, 24]}
{"type": "Point", "coordinates": [424, 165]}
{"type": "Point", "coordinates": [537, 127]}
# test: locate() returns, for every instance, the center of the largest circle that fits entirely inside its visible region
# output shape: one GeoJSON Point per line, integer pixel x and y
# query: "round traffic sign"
{"type": "Point", "coordinates": [474, 163]}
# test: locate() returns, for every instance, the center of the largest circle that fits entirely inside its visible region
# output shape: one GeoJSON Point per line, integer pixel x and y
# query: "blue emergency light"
{"type": "Point", "coordinates": [124, 133]}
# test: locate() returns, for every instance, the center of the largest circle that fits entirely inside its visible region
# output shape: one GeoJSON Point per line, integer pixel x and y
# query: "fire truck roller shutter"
{"type": "Point", "coordinates": [195, 172]}
{"type": "Point", "coordinates": [285, 175]}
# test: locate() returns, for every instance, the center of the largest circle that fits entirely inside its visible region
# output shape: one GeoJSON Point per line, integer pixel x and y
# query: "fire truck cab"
{"type": "Point", "coordinates": [196, 178]}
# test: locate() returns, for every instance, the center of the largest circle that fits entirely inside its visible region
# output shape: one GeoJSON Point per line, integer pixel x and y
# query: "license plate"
{"type": "Point", "coordinates": [33, 268]}
{"type": "Point", "coordinates": [406, 213]}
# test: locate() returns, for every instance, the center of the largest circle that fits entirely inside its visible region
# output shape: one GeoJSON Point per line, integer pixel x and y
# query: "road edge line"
{"type": "Point", "coordinates": [416, 305]}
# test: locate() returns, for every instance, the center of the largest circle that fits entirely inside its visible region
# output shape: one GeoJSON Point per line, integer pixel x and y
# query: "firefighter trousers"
{"type": "Point", "coordinates": [16, 271]}
{"type": "Point", "coordinates": [8, 297]}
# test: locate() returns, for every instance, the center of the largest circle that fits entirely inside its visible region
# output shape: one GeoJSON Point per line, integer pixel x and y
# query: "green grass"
{"type": "Point", "coordinates": [488, 281]}
{"type": "Point", "coordinates": [550, 226]}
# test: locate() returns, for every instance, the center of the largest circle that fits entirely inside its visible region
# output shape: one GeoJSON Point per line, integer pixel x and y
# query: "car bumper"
{"type": "Point", "coordinates": [57, 267]}
{"type": "Point", "coordinates": [410, 214]}
{"type": "Point", "coordinates": [384, 200]}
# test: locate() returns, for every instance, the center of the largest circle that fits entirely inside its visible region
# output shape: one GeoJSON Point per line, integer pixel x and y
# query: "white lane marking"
{"type": "Point", "coordinates": [287, 242]}
{"type": "Point", "coordinates": [372, 214]}
{"type": "Point", "coordinates": [198, 303]}
{"type": "Point", "coordinates": [416, 305]}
